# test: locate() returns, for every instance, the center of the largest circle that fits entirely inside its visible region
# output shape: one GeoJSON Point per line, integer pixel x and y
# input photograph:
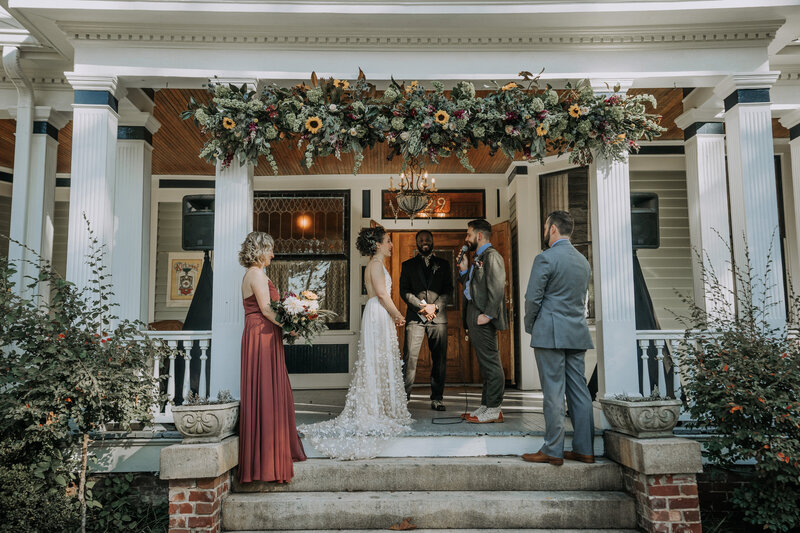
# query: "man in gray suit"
{"type": "Point", "coordinates": [484, 314]}
{"type": "Point", "coordinates": [555, 318]}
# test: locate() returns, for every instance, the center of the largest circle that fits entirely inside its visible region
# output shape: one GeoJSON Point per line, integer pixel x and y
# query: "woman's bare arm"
{"type": "Point", "coordinates": [379, 286]}
{"type": "Point", "coordinates": [259, 284]}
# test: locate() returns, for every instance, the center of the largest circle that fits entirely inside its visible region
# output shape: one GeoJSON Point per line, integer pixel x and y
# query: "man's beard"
{"type": "Point", "coordinates": [423, 252]}
{"type": "Point", "coordinates": [473, 245]}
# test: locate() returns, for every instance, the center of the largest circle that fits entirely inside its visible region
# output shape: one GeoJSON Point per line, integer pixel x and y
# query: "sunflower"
{"type": "Point", "coordinates": [314, 124]}
{"type": "Point", "coordinates": [508, 86]}
{"type": "Point", "coordinates": [575, 110]}
{"type": "Point", "coordinates": [541, 131]}
{"type": "Point", "coordinates": [412, 87]}
{"type": "Point", "coordinates": [621, 136]}
{"type": "Point", "coordinates": [228, 123]}
{"type": "Point", "coordinates": [344, 84]}
{"type": "Point", "coordinates": [441, 117]}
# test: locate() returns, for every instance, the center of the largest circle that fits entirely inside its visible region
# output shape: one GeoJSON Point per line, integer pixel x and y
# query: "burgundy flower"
{"type": "Point", "coordinates": [511, 115]}
{"type": "Point", "coordinates": [542, 115]}
{"type": "Point", "coordinates": [397, 113]}
{"type": "Point", "coordinates": [459, 113]}
{"type": "Point", "coordinates": [413, 113]}
{"type": "Point", "coordinates": [251, 127]}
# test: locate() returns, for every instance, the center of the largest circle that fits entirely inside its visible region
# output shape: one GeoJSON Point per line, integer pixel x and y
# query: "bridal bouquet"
{"type": "Point", "coordinates": [301, 316]}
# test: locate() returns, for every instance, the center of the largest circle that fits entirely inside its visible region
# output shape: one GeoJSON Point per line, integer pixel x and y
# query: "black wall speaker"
{"type": "Point", "coordinates": [644, 220]}
{"type": "Point", "coordinates": [198, 222]}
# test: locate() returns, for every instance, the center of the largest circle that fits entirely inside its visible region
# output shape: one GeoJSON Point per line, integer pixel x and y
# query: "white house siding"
{"type": "Point", "coordinates": [5, 222]}
{"type": "Point", "coordinates": [168, 240]}
{"type": "Point", "coordinates": [668, 268]}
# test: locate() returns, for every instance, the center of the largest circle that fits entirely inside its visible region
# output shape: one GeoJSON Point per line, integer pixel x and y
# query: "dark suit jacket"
{"type": "Point", "coordinates": [433, 284]}
{"type": "Point", "coordinates": [488, 286]}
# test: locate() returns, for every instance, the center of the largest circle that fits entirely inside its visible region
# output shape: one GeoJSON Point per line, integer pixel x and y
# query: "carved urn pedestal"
{"type": "Point", "coordinates": [642, 419]}
{"type": "Point", "coordinates": [206, 423]}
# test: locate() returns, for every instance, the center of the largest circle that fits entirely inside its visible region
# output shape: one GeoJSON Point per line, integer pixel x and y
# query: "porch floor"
{"type": "Point", "coordinates": [522, 411]}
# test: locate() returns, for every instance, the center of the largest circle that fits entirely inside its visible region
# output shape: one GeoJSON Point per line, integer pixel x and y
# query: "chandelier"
{"type": "Point", "coordinates": [414, 196]}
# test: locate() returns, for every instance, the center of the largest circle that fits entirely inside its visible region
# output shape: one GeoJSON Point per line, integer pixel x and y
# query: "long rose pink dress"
{"type": "Point", "coordinates": [268, 440]}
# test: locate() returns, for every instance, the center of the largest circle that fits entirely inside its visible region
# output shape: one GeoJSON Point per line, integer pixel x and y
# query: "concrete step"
{"type": "Point", "coordinates": [428, 509]}
{"type": "Point", "coordinates": [462, 531]}
{"type": "Point", "coordinates": [493, 442]}
{"type": "Point", "coordinates": [444, 474]}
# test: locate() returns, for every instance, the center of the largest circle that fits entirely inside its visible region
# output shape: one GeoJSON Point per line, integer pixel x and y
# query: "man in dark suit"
{"type": "Point", "coordinates": [485, 314]}
{"type": "Point", "coordinates": [425, 286]}
{"type": "Point", "coordinates": [556, 320]}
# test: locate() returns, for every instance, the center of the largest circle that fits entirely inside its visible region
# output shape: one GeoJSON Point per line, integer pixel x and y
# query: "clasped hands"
{"type": "Point", "coordinates": [429, 311]}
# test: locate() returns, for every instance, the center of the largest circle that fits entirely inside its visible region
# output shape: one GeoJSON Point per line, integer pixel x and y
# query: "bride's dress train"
{"type": "Point", "coordinates": [376, 407]}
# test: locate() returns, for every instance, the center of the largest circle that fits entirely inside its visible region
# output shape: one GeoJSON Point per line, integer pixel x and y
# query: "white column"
{"type": "Point", "coordinates": [792, 123]}
{"type": "Point", "coordinates": [752, 188]}
{"type": "Point", "coordinates": [233, 220]}
{"type": "Point", "coordinates": [529, 242]}
{"type": "Point", "coordinates": [38, 213]}
{"type": "Point", "coordinates": [707, 193]}
{"type": "Point", "coordinates": [21, 193]}
{"type": "Point", "coordinates": [612, 258]}
{"type": "Point", "coordinates": [612, 253]}
{"type": "Point", "coordinates": [92, 176]}
{"type": "Point", "coordinates": [131, 249]}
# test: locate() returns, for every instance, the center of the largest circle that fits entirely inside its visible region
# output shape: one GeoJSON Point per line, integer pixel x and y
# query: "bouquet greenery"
{"type": "Point", "coordinates": [301, 316]}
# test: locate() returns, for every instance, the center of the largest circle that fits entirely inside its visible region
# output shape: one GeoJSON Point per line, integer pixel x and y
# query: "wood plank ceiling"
{"type": "Point", "coordinates": [177, 143]}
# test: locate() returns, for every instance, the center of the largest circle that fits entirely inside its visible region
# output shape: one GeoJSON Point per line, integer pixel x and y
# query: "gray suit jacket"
{"type": "Point", "coordinates": [555, 299]}
{"type": "Point", "coordinates": [488, 286]}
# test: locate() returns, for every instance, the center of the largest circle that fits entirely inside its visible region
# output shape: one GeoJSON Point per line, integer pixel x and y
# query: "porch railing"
{"type": "Point", "coordinates": [180, 344]}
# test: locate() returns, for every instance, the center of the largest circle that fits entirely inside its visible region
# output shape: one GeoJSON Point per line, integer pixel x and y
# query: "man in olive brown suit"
{"type": "Point", "coordinates": [485, 313]}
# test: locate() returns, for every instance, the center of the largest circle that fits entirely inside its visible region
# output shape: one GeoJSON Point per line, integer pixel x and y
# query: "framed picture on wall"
{"type": "Point", "coordinates": [183, 273]}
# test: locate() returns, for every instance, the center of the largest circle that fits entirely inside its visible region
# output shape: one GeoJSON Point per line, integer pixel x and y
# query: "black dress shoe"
{"type": "Point", "coordinates": [438, 405]}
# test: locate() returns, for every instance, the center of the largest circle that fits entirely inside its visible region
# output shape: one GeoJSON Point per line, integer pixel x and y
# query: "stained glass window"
{"type": "Point", "coordinates": [311, 231]}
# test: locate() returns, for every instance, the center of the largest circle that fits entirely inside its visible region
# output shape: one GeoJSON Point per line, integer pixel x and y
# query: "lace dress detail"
{"type": "Point", "coordinates": [376, 408]}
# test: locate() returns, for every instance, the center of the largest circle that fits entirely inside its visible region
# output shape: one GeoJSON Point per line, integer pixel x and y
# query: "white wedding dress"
{"type": "Point", "coordinates": [375, 410]}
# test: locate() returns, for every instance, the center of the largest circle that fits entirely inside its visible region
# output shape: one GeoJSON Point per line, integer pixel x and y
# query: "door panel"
{"type": "Point", "coordinates": [501, 240]}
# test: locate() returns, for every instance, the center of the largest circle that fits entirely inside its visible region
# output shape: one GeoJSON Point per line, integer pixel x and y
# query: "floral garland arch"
{"type": "Point", "coordinates": [333, 116]}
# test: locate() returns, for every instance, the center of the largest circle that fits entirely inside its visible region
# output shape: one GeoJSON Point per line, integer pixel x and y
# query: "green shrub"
{"type": "Point", "coordinates": [29, 506]}
{"type": "Point", "coordinates": [743, 387]}
{"type": "Point", "coordinates": [124, 508]}
{"type": "Point", "coordinates": [69, 367]}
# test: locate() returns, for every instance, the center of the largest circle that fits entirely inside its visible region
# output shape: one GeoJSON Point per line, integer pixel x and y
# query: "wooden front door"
{"type": "Point", "coordinates": [462, 364]}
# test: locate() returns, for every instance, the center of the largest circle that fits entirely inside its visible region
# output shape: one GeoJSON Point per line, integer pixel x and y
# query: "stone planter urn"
{"type": "Point", "coordinates": [642, 419]}
{"type": "Point", "coordinates": [206, 422]}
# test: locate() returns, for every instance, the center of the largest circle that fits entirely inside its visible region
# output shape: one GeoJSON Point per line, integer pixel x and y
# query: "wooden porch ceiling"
{"type": "Point", "coordinates": [177, 143]}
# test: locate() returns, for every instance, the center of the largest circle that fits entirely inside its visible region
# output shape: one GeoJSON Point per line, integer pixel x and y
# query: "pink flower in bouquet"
{"type": "Point", "coordinates": [309, 295]}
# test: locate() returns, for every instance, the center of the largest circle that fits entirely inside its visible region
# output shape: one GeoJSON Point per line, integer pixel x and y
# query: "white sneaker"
{"type": "Point", "coordinates": [488, 416]}
{"type": "Point", "coordinates": [474, 413]}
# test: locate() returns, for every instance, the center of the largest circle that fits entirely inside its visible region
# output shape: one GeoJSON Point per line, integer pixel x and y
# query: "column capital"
{"type": "Point", "coordinates": [791, 121]}
{"type": "Point", "coordinates": [82, 82]}
{"type": "Point", "coordinates": [130, 116]}
{"type": "Point", "coordinates": [745, 81]}
{"type": "Point", "coordinates": [251, 83]}
{"type": "Point", "coordinates": [694, 116]}
{"type": "Point", "coordinates": [606, 85]}
{"type": "Point", "coordinates": [57, 119]}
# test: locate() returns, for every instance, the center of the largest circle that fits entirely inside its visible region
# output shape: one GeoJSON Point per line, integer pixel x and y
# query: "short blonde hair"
{"type": "Point", "coordinates": [254, 247]}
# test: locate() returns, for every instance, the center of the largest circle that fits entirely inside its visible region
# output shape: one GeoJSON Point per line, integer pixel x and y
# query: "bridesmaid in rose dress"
{"type": "Point", "coordinates": [268, 440]}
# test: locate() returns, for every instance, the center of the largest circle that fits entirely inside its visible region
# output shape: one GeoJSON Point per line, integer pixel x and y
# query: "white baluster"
{"type": "Point", "coordinates": [156, 374]}
{"type": "Point", "coordinates": [676, 369]}
{"type": "Point", "coordinates": [173, 345]}
{"type": "Point", "coordinates": [643, 345]}
{"type": "Point", "coordinates": [187, 359]}
{"type": "Point", "coordinates": [662, 378]}
{"type": "Point", "coordinates": [204, 343]}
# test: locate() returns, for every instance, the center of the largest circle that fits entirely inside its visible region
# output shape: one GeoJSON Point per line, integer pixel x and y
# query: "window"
{"type": "Point", "coordinates": [311, 232]}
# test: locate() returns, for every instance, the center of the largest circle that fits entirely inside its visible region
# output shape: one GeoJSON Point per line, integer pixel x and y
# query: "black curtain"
{"type": "Point", "coordinates": [198, 318]}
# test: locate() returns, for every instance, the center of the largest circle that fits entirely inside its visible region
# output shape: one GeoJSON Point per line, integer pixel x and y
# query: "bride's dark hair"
{"type": "Point", "coordinates": [368, 240]}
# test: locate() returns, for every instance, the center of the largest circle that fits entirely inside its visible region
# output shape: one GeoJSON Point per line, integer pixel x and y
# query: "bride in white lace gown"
{"type": "Point", "coordinates": [376, 408]}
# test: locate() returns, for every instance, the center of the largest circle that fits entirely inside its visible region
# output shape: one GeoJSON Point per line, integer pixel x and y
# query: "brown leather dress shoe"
{"type": "Point", "coordinates": [540, 457]}
{"type": "Point", "coordinates": [572, 456]}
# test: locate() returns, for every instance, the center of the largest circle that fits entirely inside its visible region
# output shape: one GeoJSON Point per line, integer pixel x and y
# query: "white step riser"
{"type": "Point", "coordinates": [433, 510]}
{"type": "Point", "coordinates": [467, 446]}
{"type": "Point", "coordinates": [444, 474]}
